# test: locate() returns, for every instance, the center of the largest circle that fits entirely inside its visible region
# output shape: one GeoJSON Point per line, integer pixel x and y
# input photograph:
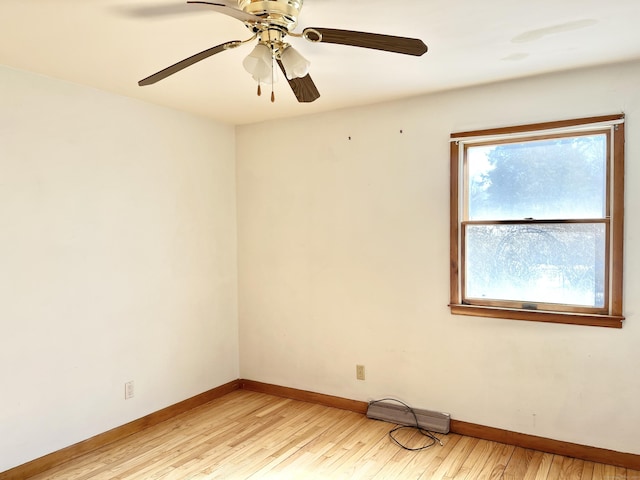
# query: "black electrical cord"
{"type": "Point", "coordinates": [423, 431]}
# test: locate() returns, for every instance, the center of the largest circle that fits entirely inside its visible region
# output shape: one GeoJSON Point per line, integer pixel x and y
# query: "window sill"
{"type": "Point", "coordinates": [610, 321]}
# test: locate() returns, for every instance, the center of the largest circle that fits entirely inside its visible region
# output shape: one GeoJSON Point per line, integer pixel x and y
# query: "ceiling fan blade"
{"type": "Point", "coordinates": [303, 88]}
{"type": "Point", "coordinates": [165, 10]}
{"type": "Point", "coordinates": [225, 7]}
{"type": "Point", "coordinates": [176, 67]}
{"type": "Point", "coordinates": [156, 11]}
{"type": "Point", "coordinates": [224, 3]}
{"type": "Point", "coordinates": [376, 41]}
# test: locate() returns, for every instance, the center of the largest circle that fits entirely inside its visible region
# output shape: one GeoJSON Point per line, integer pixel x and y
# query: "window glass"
{"type": "Point", "coordinates": [541, 179]}
{"type": "Point", "coordinates": [543, 263]}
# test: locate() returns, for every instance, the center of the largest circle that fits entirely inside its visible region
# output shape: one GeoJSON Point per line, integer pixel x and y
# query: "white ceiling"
{"type": "Point", "coordinates": [108, 44]}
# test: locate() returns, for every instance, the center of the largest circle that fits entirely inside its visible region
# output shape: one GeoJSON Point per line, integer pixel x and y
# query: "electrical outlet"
{"type": "Point", "coordinates": [128, 390]}
{"type": "Point", "coordinates": [360, 372]}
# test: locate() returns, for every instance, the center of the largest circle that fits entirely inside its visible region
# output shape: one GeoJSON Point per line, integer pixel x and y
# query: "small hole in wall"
{"type": "Point", "coordinates": [401, 131]}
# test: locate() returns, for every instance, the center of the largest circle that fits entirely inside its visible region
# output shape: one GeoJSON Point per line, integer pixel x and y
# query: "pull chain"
{"type": "Point", "coordinates": [273, 95]}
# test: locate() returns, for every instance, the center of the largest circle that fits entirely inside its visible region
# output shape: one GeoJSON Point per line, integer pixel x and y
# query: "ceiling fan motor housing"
{"type": "Point", "coordinates": [283, 13]}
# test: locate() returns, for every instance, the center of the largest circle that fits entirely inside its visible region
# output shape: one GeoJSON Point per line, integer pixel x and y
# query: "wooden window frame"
{"type": "Point", "coordinates": [612, 315]}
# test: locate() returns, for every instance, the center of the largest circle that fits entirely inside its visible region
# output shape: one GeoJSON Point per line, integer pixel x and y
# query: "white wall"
{"type": "Point", "coordinates": [344, 259]}
{"type": "Point", "coordinates": [118, 241]}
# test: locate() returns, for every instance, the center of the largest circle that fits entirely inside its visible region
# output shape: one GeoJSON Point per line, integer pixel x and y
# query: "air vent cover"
{"type": "Point", "coordinates": [400, 415]}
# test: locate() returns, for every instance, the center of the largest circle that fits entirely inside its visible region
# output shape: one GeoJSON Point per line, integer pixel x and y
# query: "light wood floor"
{"type": "Point", "coordinates": [251, 435]}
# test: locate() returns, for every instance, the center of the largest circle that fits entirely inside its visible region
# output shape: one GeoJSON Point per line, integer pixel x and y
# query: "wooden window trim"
{"type": "Point", "coordinates": [613, 318]}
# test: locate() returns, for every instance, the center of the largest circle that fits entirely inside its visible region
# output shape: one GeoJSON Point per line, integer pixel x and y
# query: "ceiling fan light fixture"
{"type": "Point", "coordinates": [270, 21]}
{"type": "Point", "coordinates": [295, 65]}
{"type": "Point", "coordinates": [259, 63]}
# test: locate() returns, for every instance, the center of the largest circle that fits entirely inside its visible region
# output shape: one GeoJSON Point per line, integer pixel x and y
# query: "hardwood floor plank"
{"type": "Point", "coordinates": [344, 446]}
{"type": "Point", "coordinates": [608, 472]}
{"type": "Point", "coordinates": [280, 428]}
{"type": "Point", "coordinates": [279, 443]}
{"type": "Point", "coordinates": [337, 445]}
{"type": "Point", "coordinates": [587, 471]}
{"type": "Point", "coordinates": [165, 437]}
{"type": "Point", "coordinates": [344, 465]}
{"type": "Point", "coordinates": [406, 464]}
{"type": "Point", "coordinates": [598, 471]}
{"type": "Point", "coordinates": [257, 436]}
{"type": "Point", "coordinates": [497, 462]}
{"type": "Point", "coordinates": [566, 468]}
{"type": "Point", "coordinates": [556, 467]}
{"type": "Point", "coordinates": [280, 449]}
{"type": "Point", "coordinates": [397, 462]}
{"type": "Point", "coordinates": [575, 468]}
{"type": "Point", "coordinates": [621, 473]}
{"type": "Point", "coordinates": [518, 464]}
{"type": "Point", "coordinates": [303, 446]}
{"type": "Point", "coordinates": [539, 466]}
{"type": "Point", "coordinates": [423, 466]}
{"type": "Point", "coordinates": [453, 462]}
{"type": "Point", "coordinates": [476, 461]}
{"type": "Point", "coordinates": [387, 457]}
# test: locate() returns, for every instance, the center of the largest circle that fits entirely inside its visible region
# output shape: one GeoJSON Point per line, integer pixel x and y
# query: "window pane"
{"type": "Point", "coordinates": [537, 263]}
{"type": "Point", "coordinates": [543, 179]}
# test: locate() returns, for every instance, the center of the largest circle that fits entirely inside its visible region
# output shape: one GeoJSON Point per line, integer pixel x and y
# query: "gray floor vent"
{"type": "Point", "coordinates": [400, 415]}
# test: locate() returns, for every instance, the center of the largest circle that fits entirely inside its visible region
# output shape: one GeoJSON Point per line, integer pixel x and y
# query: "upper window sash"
{"type": "Point", "coordinates": [532, 141]}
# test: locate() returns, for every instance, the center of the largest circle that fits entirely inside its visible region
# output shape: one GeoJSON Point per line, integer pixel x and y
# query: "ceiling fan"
{"type": "Point", "coordinates": [270, 21]}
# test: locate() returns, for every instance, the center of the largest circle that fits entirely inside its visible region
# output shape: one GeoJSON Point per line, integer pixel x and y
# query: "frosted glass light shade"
{"type": "Point", "coordinates": [259, 63]}
{"type": "Point", "coordinates": [295, 65]}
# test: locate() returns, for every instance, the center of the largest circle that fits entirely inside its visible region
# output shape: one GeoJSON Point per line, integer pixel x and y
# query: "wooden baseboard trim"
{"type": "Point", "coordinates": [59, 457]}
{"type": "Point", "coordinates": [547, 445]}
{"type": "Point", "coordinates": [305, 396]}
{"type": "Point", "coordinates": [557, 447]}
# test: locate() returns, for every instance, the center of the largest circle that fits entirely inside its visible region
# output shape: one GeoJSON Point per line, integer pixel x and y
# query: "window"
{"type": "Point", "coordinates": [537, 222]}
